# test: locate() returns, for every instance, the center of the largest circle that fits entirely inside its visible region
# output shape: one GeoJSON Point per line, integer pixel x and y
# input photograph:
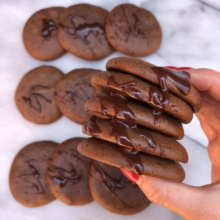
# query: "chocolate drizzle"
{"type": "Point", "coordinates": [119, 104]}
{"type": "Point", "coordinates": [32, 179]}
{"type": "Point", "coordinates": [109, 182]}
{"type": "Point", "coordinates": [83, 30]}
{"type": "Point", "coordinates": [161, 96]}
{"type": "Point", "coordinates": [35, 93]}
{"type": "Point", "coordinates": [125, 88]}
{"type": "Point", "coordinates": [61, 176]}
{"type": "Point", "coordinates": [79, 91]}
{"type": "Point", "coordinates": [48, 26]}
{"type": "Point", "coordinates": [119, 131]}
{"type": "Point", "coordinates": [179, 78]}
{"type": "Point", "coordinates": [132, 27]}
{"type": "Point", "coordinates": [122, 120]}
{"type": "Point", "coordinates": [112, 184]}
{"type": "Point", "coordinates": [133, 159]}
{"type": "Point", "coordinates": [64, 176]}
{"type": "Point", "coordinates": [92, 128]}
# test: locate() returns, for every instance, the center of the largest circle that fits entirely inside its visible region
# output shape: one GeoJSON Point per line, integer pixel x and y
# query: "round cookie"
{"type": "Point", "coordinates": [34, 95]}
{"type": "Point", "coordinates": [136, 138]}
{"type": "Point", "coordinates": [27, 179]}
{"type": "Point", "coordinates": [138, 162]}
{"type": "Point", "coordinates": [72, 91]}
{"type": "Point", "coordinates": [113, 191]}
{"type": "Point", "coordinates": [133, 31]}
{"type": "Point", "coordinates": [176, 81]}
{"type": "Point", "coordinates": [122, 108]}
{"type": "Point", "coordinates": [141, 90]}
{"type": "Point", "coordinates": [68, 173]}
{"type": "Point", "coordinates": [82, 31]}
{"type": "Point", "coordinates": [40, 34]}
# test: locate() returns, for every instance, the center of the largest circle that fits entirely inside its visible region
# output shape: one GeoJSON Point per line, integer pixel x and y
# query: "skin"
{"type": "Point", "coordinates": [190, 202]}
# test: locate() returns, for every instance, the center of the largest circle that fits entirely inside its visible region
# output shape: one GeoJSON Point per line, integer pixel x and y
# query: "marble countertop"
{"type": "Point", "coordinates": [191, 36]}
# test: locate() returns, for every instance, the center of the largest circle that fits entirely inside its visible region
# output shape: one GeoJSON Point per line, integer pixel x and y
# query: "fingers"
{"type": "Point", "coordinates": [215, 173]}
{"type": "Point", "coordinates": [214, 155]}
{"type": "Point", "coordinates": [206, 80]}
{"type": "Point", "coordinates": [207, 126]}
{"type": "Point", "coordinates": [192, 203]}
{"type": "Point", "coordinates": [179, 198]}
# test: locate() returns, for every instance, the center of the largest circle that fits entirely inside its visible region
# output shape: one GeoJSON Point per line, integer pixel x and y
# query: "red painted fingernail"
{"type": "Point", "coordinates": [184, 68]}
{"type": "Point", "coordinates": [130, 175]}
{"type": "Point", "coordinates": [171, 67]}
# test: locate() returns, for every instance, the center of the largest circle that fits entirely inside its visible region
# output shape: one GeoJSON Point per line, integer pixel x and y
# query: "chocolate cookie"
{"type": "Point", "coordinates": [40, 34]}
{"type": "Point", "coordinates": [121, 108]}
{"type": "Point", "coordinates": [82, 31]}
{"type": "Point", "coordinates": [72, 91]}
{"type": "Point", "coordinates": [34, 95]}
{"type": "Point", "coordinates": [27, 179]}
{"type": "Point", "coordinates": [133, 31]}
{"type": "Point", "coordinates": [141, 90]}
{"type": "Point", "coordinates": [68, 173]}
{"type": "Point", "coordinates": [138, 162]}
{"type": "Point", "coordinates": [112, 190]}
{"type": "Point", "coordinates": [176, 81]}
{"type": "Point", "coordinates": [136, 138]}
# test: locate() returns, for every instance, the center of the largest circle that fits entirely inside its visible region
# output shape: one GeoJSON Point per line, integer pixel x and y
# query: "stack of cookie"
{"type": "Point", "coordinates": [44, 171]}
{"type": "Point", "coordinates": [91, 32]}
{"type": "Point", "coordinates": [138, 114]}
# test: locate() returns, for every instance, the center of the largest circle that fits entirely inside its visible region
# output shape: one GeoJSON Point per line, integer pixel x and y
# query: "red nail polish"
{"type": "Point", "coordinates": [184, 68]}
{"type": "Point", "coordinates": [171, 67]}
{"type": "Point", "coordinates": [130, 175]}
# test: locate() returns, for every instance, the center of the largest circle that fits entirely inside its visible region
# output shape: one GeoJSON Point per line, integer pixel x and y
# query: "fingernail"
{"type": "Point", "coordinates": [178, 68]}
{"type": "Point", "coordinates": [171, 67]}
{"type": "Point", "coordinates": [184, 68]}
{"type": "Point", "coordinates": [130, 175]}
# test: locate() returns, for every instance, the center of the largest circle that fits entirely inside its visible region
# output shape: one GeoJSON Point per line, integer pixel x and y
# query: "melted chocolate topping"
{"type": "Point", "coordinates": [61, 176]}
{"type": "Point", "coordinates": [132, 28]}
{"type": "Point", "coordinates": [35, 93]}
{"type": "Point", "coordinates": [179, 78]}
{"type": "Point", "coordinates": [80, 91]}
{"type": "Point", "coordinates": [112, 184]}
{"type": "Point", "coordinates": [133, 159]}
{"type": "Point", "coordinates": [32, 179]}
{"type": "Point", "coordinates": [119, 132]}
{"type": "Point", "coordinates": [83, 30]}
{"type": "Point", "coordinates": [119, 104]}
{"type": "Point", "coordinates": [125, 88]}
{"type": "Point", "coordinates": [64, 176]}
{"type": "Point", "coordinates": [48, 26]}
{"type": "Point", "coordinates": [161, 97]}
{"type": "Point", "coordinates": [92, 128]}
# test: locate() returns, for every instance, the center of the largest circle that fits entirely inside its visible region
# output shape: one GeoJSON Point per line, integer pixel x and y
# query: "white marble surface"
{"type": "Point", "coordinates": [191, 36]}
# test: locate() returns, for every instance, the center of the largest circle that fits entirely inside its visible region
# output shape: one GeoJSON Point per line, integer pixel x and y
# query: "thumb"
{"type": "Point", "coordinates": [188, 201]}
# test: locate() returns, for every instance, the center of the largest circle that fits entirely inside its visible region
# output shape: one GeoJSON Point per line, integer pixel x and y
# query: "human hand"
{"type": "Point", "coordinates": [208, 82]}
{"type": "Point", "coordinates": [193, 203]}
